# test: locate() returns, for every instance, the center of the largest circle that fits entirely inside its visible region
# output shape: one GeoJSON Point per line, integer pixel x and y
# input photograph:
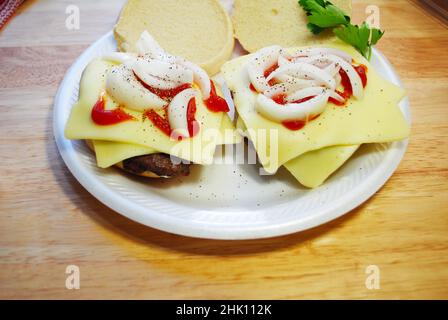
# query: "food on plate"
{"type": "Point", "coordinates": [109, 153]}
{"type": "Point", "coordinates": [151, 106]}
{"type": "Point", "coordinates": [313, 167]}
{"type": "Point", "coordinates": [262, 23]}
{"type": "Point", "coordinates": [299, 100]}
{"type": "Point", "coordinates": [199, 30]}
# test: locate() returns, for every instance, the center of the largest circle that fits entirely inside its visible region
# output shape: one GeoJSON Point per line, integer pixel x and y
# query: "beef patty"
{"type": "Point", "coordinates": [158, 163]}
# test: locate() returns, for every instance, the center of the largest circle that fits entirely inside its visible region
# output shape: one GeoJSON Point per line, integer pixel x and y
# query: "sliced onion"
{"type": "Point", "coordinates": [170, 75]}
{"type": "Point", "coordinates": [281, 88]}
{"type": "Point", "coordinates": [284, 58]}
{"type": "Point", "coordinates": [296, 83]}
{"type": "Point", "coordinates": [147, 44]}
{"type": "Point", "coordinates": [337, 96]}
{"type": "Point", "coordinates": [282, 61]}
{"type": "Point", "coordinates": [261, 61]}
{"type": "Point", "coordinates": [177, 112]}
{"type": "Point", "coordinates": [355, 79]}
{"type": "Point", "coordinates": [288, 87]}
{"type": "Point", "coordinates": [119, 57]}
{"type": "Point", "coordinates": [200, 77]}
{"type": "Point", "coordinates": [305, 71]}
{"type": "Point", "coordinates": [316, 61]}
{"type": "Point", "coordinates": [305, 93]}
{"type": "Point", "coordinates": [323, 51]}
{"type": "Point", "coordinates": [332, 69]}
{"type": "Point", "coordinates": [154, 82]}
{"type": "Point", "coordinates": [291, 111]}
{"type": "Point", "coordinates": [126, 90]}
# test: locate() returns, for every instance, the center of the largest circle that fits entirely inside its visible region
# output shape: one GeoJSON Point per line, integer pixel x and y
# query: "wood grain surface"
{"type": "Point", "coordinates": [48, 221]}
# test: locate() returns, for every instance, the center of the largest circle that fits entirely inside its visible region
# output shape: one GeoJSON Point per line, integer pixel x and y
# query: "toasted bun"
{"type": "Point", "coordinates": [147, 174]}
{"type": "Point", "coordinates": [198, 30]}
{"type": "Point", "coordinates": [261, 23]}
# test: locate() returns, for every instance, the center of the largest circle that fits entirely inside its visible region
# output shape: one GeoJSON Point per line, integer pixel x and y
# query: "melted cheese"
{"type": "Point", "coordinates": [109, 153]}
{"type": "Point", "coordinates": [199, 149]}
{"type": "Point", "coordinates": [314, 167]}
{"type": "Point", "coordinates": [311, 169]}
{"type": "Point", "coordinates": [374, 118]}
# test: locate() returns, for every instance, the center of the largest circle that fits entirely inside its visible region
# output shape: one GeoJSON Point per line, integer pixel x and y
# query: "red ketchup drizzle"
{"type": "Point", "coordinates": [164, 94]}
{"type": "Point", "coordinates": [162, 123]}
{"type": "Point", "coordinates": [216, 103]}
{"type": "Point", "coordinates": [268, 72]}
{"type": "Point", "coordinates": [159, 121]}
{"type": "Point", "coordinates": [297, 124]}
{"type": "Point", "coordinates": [345, 82]}
{"type": "Point", "coordinates": [104, 117]}
{"type": "Point", "coordinates": [193, 125]}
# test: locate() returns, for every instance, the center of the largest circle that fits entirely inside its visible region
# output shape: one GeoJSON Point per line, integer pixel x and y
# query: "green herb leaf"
{"type": "Point", "coordinates": [360, 37]}
{"type": "Point", "coordinates": [323, 15]}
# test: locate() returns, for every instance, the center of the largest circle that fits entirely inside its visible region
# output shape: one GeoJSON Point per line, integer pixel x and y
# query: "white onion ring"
{"type": "Point", "coordinates": [261, 61]}
{"type": "Point", "coordinates": [355, 79]}
{"type": "Point", "coordinates": [177, 112]}
{"type": "Point", "coordinates": [200, 77]}
{"type": "Point", "coordinates": [291, 111]}
{"type": "Point", "coordinates": [147, 44]}
{"type": "Point", "coordinates": [119, 57]}
{"type": "Point", "coordinates": [309, 52]}
{"type": "Point", "coordinates": [169, 75]}
{"type": "Point", "coordinates": [305, 93]}
{"type": "Point", "coordinates": [125, 89]}
{"type": "Point", "coordinates": [305, 71]}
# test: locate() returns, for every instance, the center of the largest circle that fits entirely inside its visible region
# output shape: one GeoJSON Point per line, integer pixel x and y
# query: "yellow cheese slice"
{"type": "Point", "coordinates": [374, 118]}
{"type": "Point", "coordinates": [141, 131]}
{"type": "Point", "coordinates": [311, 169]}
{"type": "Point", "coordinates": [228, 134]}
{"type": "Point", "coordinates": [109, 153]}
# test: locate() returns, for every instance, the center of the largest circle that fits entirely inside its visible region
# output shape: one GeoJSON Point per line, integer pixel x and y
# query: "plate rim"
{"type": "Point", "coordinates": [200, 229]}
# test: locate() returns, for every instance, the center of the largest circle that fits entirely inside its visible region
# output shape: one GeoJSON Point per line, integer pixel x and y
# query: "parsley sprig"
{"type": "Point", "coordinates": [324, 15]}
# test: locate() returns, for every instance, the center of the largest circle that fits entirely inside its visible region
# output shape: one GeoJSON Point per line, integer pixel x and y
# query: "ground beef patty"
{"type": "Point", "coordinates": [158, 163]}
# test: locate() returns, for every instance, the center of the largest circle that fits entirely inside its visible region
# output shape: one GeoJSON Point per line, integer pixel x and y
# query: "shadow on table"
{"type": "Point", "coordinates": [144, 235]}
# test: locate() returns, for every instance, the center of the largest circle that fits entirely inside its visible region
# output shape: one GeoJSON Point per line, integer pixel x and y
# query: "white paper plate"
{"type": "Point", "coordinates": [225, 201]}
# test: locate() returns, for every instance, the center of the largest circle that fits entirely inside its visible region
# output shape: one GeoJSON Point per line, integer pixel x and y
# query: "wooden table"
{"type": "Point", "coordinates": [48, 221]}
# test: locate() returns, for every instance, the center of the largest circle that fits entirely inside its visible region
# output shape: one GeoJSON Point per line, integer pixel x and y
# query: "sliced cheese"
{"type": "Point", "coordinates": [311, 169]}
{"type": "Point", "coordinates": [374, 118]}
{"type": "Point", "coordinates": [109, 153]}
{"type": "Point", "coordinates": [228, 134]}
{"type": "Point", "coordinates": [141, 131]}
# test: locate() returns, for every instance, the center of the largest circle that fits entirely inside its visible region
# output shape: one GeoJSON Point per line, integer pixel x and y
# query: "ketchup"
{"type": "Point", "coordinates": [193, 125]}
{"type": "Point", "coordinates": [345, 82]}
{"type": "Point", "coordinates": [162, 123]}
{"type": "Point", "coordinates": [295, 125]}
{"type": "Point", "coordinates": [251, 87]}
{"type": "Point", "coordinates": [104, 117]}
{"type": "Point", "coordinates": [167, 93]}
{"type": "Point", "coordinates": [268, 72]}
{"type": "Point", "coordinates": [279, 98]}
{"type": "Point", "coordinates": [216, 103]}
